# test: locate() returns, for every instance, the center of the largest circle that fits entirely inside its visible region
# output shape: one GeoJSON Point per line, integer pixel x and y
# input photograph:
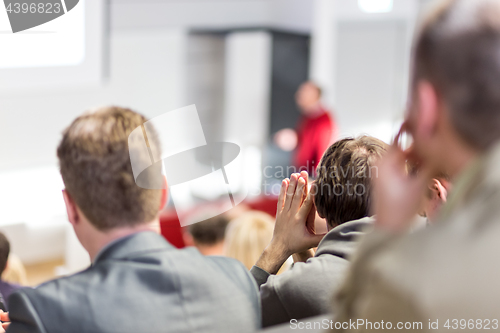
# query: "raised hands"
{"type": "Point", "coordinates": [294, 228]}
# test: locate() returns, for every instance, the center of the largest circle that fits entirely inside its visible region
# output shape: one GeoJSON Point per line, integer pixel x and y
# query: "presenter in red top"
{"type": "Point", "coordinates": [315, 132]}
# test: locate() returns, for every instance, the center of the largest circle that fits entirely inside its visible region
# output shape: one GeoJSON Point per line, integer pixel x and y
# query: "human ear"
{"type": "Point", "coordinates": [71, 209]}
{"type": "Point", "coordinates": [442, 191]}
{"type": "Point", "coordinates": [428, 109]}
{"type": "Point", "coordinates": [438, 191]}
{"type": "Point", "coordinates": [434, 189]}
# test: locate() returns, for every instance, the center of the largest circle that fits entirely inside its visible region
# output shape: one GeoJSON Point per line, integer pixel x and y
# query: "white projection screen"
{"type": "Point", "coordinates": [65, 51]}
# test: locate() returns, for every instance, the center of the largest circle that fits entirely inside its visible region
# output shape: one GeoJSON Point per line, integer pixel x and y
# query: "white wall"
{"type": "Point", "coordinates": [248, 78]}
{"type": "Point", "coordinates": [370, 78]}
{"type": "Point", "coordinates": [212, 14]}
{"type": "Point", "coordinates": [146, 73]}
{"type": "Point", "coordinates": [247, 100]}
{"type": "Point", "coordinates": [363, 64]}
{"type": "Point", "coordinates": [292, 15]}
{"type": "Point", "coordinates": [323, 56]}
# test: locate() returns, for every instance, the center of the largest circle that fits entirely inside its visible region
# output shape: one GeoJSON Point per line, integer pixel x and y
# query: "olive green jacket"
{"type": "Point", "coordinates": [446, 275]}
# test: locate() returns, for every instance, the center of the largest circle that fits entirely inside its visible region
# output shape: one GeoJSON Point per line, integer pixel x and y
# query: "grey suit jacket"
{"type": "Point", "coordinates": [141, 283]}
{"type": "Point", "coordinates": [307, 288]}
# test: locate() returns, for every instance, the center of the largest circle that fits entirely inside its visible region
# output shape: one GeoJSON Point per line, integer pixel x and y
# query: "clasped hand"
{"type": "Point", "coordinates": [294, 229]}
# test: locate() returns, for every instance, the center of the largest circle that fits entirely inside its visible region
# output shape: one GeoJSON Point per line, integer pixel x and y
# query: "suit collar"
{"type": "Point", "coordinates": [129, 246]}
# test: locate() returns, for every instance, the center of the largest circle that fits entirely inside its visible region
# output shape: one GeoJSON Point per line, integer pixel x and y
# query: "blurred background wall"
{"type": "Point", "coordinates": [239, 61]}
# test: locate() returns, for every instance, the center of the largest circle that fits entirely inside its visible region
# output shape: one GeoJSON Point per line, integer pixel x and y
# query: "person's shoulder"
{"type": "Point", "coordinates": [306, 288]}
{"type": "Point", "coordinates": [234, 278]}
{"type": "Point", "coordinates": [328, 263]}
{"type": "Point", "coordinates": [397, 258]}
{"type": "Point", "coordinates": [310, 276]}
{"type": "Point", "coordinates": [193, 255]}
{"type": "Point", "coordinates": [442, 264]}
{"type": "Point", "coordinates": [41, 304]}
{"type": "Point", "coordinates": [226, 262]}
{"type": "Point", "coordinates": [219, 268]}
{"type": "Point", "coordinates": [8, 287]}
{"type": "Point", "coordinates": [53, 289]}
{"type": "Point", "coordinates": [229, 266]}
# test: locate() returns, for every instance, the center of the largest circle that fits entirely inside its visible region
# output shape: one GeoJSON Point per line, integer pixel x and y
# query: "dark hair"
{"type": "Point", "coordinates": [211, 231]}
{"type": "Point", "coordinates": [4, 252]}
{"type": "Point", "coordinates": [457, 50]}
{"type": "Point", "coordinates": [342, 190]}
{"type": "Point", "coordinates": [94, 158]}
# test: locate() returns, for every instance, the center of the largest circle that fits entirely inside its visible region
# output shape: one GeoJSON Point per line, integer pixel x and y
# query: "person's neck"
{"type": "Point", "coordinates": [102, 239]}
{"type": "Point", "coordinates": [216, 249]}
{"type": "Point", "coordinates": [315, 110]}
{"type": "Point", "coordinates": [458, 158]}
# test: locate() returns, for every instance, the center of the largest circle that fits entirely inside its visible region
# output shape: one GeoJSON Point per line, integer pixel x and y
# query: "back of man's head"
{"type": "Point", "coordinates": [458, 51]}
{"type": "Point", "coordinates": [210, 231]}
{"type": "Point", "coordinates": [342, 190]}
{"type": "Point", "coordinates": [4, 252]}
{"type": "Point", "coordinates": [96, 169]}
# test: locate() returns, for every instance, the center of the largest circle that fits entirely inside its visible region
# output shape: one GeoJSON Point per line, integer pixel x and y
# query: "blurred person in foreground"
{"type": "Point", "coordinates": [137, 282]}
{"type": "Point", "coordinates": [341, 194]}
{"type": "Point", "coordinates": [315, 132]}
{"type": "Point", "coordinates": [6, 288]}
{"type": "Point", "coordinates": [208, 235]}
{"type": "Point", "coordinates": [446, 274]}
{"type": "Point", "coordinates": [247, 236]}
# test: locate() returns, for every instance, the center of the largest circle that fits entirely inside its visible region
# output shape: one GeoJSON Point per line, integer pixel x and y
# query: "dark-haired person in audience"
{"type": "Point", "coordinates": [342, 195]}
{"type": "Point", "coordinates": [137, 282]}
{"type": "Point", "coordinates": [6, 288]}
{"type": "Point", "coordinates": [447, 274]}
{"type": "Point", "coordinates": [208, 235]}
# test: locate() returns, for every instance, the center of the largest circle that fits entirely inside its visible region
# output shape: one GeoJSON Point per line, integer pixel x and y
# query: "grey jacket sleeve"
{"type": "Point", "coordinates": [23, 316]}
{"type": "Point", "coordinates": [259, 275]}
{"type": "Point", "coordinates": [273, 311]}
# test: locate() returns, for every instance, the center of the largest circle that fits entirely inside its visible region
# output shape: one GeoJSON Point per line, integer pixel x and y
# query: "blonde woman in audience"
{"type": "Point", "coordinates": [248, 235]}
